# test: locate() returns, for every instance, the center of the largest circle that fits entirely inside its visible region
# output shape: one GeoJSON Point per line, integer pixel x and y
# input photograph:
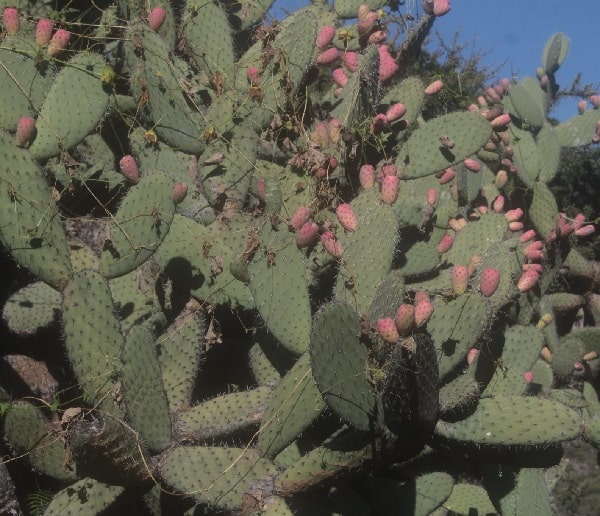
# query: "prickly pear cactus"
{"type": "Point", "coordinates": [259, 268]}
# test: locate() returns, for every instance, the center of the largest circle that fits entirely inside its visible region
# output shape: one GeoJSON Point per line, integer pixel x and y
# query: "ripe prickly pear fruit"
{"type": "Point", "coordinates": [431, 197]}
{"type": "Point", "coordinates": [325, 36]}
{"type": "Point", "coordinates": [346, 216]}
{"type": "Point", "coordinates": [472, 164]}
{"type": "Point", "coordinates": [423, 312]}
{"type": "Point", "coordinates": [534, 250]}
{"type": "Point", "coordinates": [332, 245]}
{"type": "Point", "coordinates": [586, 230]}
{"type": "Point", "coordinates": [300, 217]}
{"type": "Point", "coordinates": [421, 296]}
{"type": "Point", "coordinates": [582, 106]}
{"type": "Point", "coordinates": [527, 280]}
{"type": "Point", "coordinates": [261, 189]}
{"type": "Point", "coordinates": [405, 319]}
{"type": "Point", "coordinates": [307, 235]}
{"type": "Point", "coordinates": [436, 7]}
{"type": "Point", "coordinates": [366, 176]}
{"type": "Point", "coordinates": [379, 36]}
{"type": "Point", "coordinates": [156, 18]}
{"type": "Point", "coordinates": [350, 60]}
{"type": "Point", "coordinates": [513, 215]}
{"type": "Point", "coordinates": [179, 192]}
{"type": "Point", "coordinates": [535, 266]}
{"type": "Point", "coordinates": [528, 377]}
{"type": "Point", "coordinates": [395, 111]}
{"type": "Point", "coordinates": [447, 175]}
{"type": "Point", "coordinates": [328, 56]}
{"type": "Point", "coordinates": [445, 243]}
{"type": "Point", "coordinates": [515, 226]}
{"type": "Point", "coordinates": [59, 42]}
{"type": "Point", "coordinates": [11, 20]}
{"type": "Point", "coordinates": [25, 131]}
{"type": "Point", "coordinates": [366, 22]}
{"type": "Point", "coordinates": [490, 278]}
{"type": "Point", "coordinates": [387, 65]}
{"type": "Point", "coordinates": [43, 32]}
{"type": "Point", "coordinates": [460, 279]}
{"type": "Point", "coordinates": [129, 169]}
{"type": "Point", "coordinates": [472, 355]}
{"type": "Point", "coordinates": [500, 121]}
{"type": "Point", "coordinates": [378, 124]}
{"type": "Point", "coordinates": [498, 204]}
{"type": "Point", "coordinates": [387, 329]}
{"type": "Point", "coordinates": [389, 170]}
{"type": "Point", "coordinates": [434, 87]}
{"type": "Point", "coordinates": [340, 77]}
{"type": "Point", "coordinates": [253, 75]}
{"type": "Point", "coordinates": [390, 187]}
{"type": "Point", "coordinates": [527, 235]}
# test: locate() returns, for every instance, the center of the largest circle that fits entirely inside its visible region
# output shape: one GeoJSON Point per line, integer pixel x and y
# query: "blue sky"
{"type": "Point", "coordinates": [514, 32]}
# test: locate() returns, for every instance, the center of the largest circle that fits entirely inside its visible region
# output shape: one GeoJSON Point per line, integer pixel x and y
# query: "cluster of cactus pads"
{"type": "Point", "coordinates": [204, 200]}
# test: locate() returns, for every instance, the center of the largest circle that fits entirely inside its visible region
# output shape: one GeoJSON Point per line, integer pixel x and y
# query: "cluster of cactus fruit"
{"type": "Point", "coordinates": [410, 284]}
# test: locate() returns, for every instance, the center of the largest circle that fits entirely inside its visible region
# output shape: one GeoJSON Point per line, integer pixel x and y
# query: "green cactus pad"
{"type": "Point", "coordinates": [542, 374]}
{"type": "Point", "coordinates": [421, 259]}
{"type": "Point", "coordinates": [458, 396]}
{"type": "Point", "coordinates": [28, 433]}
{"type": "Point", "coordinates": [30, 226]}
{"type": "Point", "coordinates": [423, 154]}
{"type": "Point", "coordinates": [278, 283]}
{"type": "Point", "coordinates": [388, 297]}
{"type": "Point", "coordinates": [32, 308]}
{"type": "Point", "coordinates": [411, 93]}
{"type": "Point", "coordinates": [579, 130]}
{"type": "Point", "coordinates": [455, 327]}
{"type": "Point", "coordinates": [549, 147]}
{"type": "Point", "coordinates": [349, 8]}
{"type": "Point", "coordinates": [245, 13]}
{"type": "Point", "coordinates": [143, 390]}
{"type": "Point", "coordinates": [158, 92]}
{"type": "Point", "coordinates": [527, 156]}
{"type": "Point", "coordinates": [543, 210]}
{"type": "Point", "coordinates": [202, 20]}
{"type": "Point", "coordinates": [521, 347]}
{"type": "Point", "coordinates": [525, 106]}
{"type": "Point", "coordinates": [92, 334]}
{"type": "Point", "coordinates": [362, 270]}
{"type": "Point", "coordinates": [139, 226]}
{"type": "Point", "coordinates": [467, 499]}
{"type": "Point", "coordinates": [24, 85]}
{"type": "Point", "coordinates": [219, 477]}
{"type": "Point", "coordinates": [181, 350]}
{"type": "Point", "coordinates": [514, 421]}
{"type": "Point", "coordinates": [555, 52]}
{"type": "Point", "coordinates": [224, 415]}
{"type": "Point", "coordinates": [295, 404]}
{"type": "Point", "coordinates": [339, 366]}
{"type": "Point", "coordinates": [87, 496]}
{"type": "Point", "coordinates": [531, 492]}
{"type": "Point", "coordinates": [66, 119]}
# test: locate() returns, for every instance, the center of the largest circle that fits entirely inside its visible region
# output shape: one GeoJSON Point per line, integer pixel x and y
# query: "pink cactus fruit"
{"type": "Point", "coordinates": [405, 319]}
{"type": "Point", "coordinates": [340, 77]}
{"type": "Point", "coordinates": [564, 227]}
{"type": "Point", "coordinates": [490, 279]}
{"type": "Point", "coordinates": [25, 131]}
{"type": "Point", "coordinates": [367, 22]}
{"type": "Point", "coordinates": [457, 224]}
{"type": "Point", "coordinates": [320, 135]}
{"type": "Point", "coordinates": [11, 20]}
{"type": "Point", "coordinates": [595, 100]}
{"type": "Point", "coordinates": [300, 217]}
{"type": "Point", "coordinates": [513, 215]}
{"type": "Point", "coordinates": [423, 312]}
{"type": "Point", "coordinates": [472, 355]}
{"type": "Point", "coordinates": [253, 75]}
{"type": "Point", "coordinates": [582, 106]}
{"type": "Point", "coordinates": [156, 18]}
{"type": "Point", "coordinates": [390, 188]}
{"type": "Point", "coordinates": [387, 329]}
{"type": "Point", "coordinates": [515, 225]}
{"type": "Point", "coordinates": [59, 42]}
{"type": "Point", "coordinates": [421, 296]}
{"type": "Point", "coordinates": [447, 175]}
{"type": "Point", "coordinates": [498, 204]}
{"type": "Point", "coordinates": [346, 216]}
{"type": "Point", "coordinates": [528, 377]}
{"type": "Point", "coordinates": [307, 235]}
{"type": "Point", "coordinates": [366, 176]}
{"type": "Point", "coordinates": [500, 121]}
{"type": "Point", "coordinates": [586, 230]}
{"type": "Point", "coordinates": [527, 280]}
{"type": "Point", "coordinates": [377, 37]}
{"type": "Point", "coordinates": [43, 32]}
{"type": "Point", "coordinates": [434, 87]}
{"type": "Point", "coordinates": [432, 197]}
{"type": "Point", "coordinates": [129, 169]}
{"type": "Point", "coordinates": [578, 220]}
{"type": "Point", "coordinates": [472, 164]}
{"type": "Point", "coordinates": [389, 169]}
{"type": "Point", "coordinates": [533, 251]}
{"type": "Point", "coordinates": [537, 267]}
{"type": "Point", "coordinates": [460, 279]}
{"type": "Point", "coordinates": [328, 56]}
{"type": "Point", "coordinates": [332, 245]}
{"type": "Point", "coordinates": [436, 7]}
{"type": "Point", "coordinates": [334, 130]}
{"type": "Point", "coordinates": [492, 95]}
{"type": "Point", "coordinates": [387, 65]}
{"type": "Point", "coordinates": [350, 60]}
{"type": "Point", "coordinates": [261, 189]}
{"type": "Point", "coordinates": [445, 243]}
{"type": "Point", "coordinates": [325, 36]}
{"type": "Point", "coordinates": [527, 236]}
{"type": "Point", "coordinates": [378, 124]}
{"type": "Point", "coordinates": [179, 192]}
{"type": "Point", "coordinates": [395, 111]}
